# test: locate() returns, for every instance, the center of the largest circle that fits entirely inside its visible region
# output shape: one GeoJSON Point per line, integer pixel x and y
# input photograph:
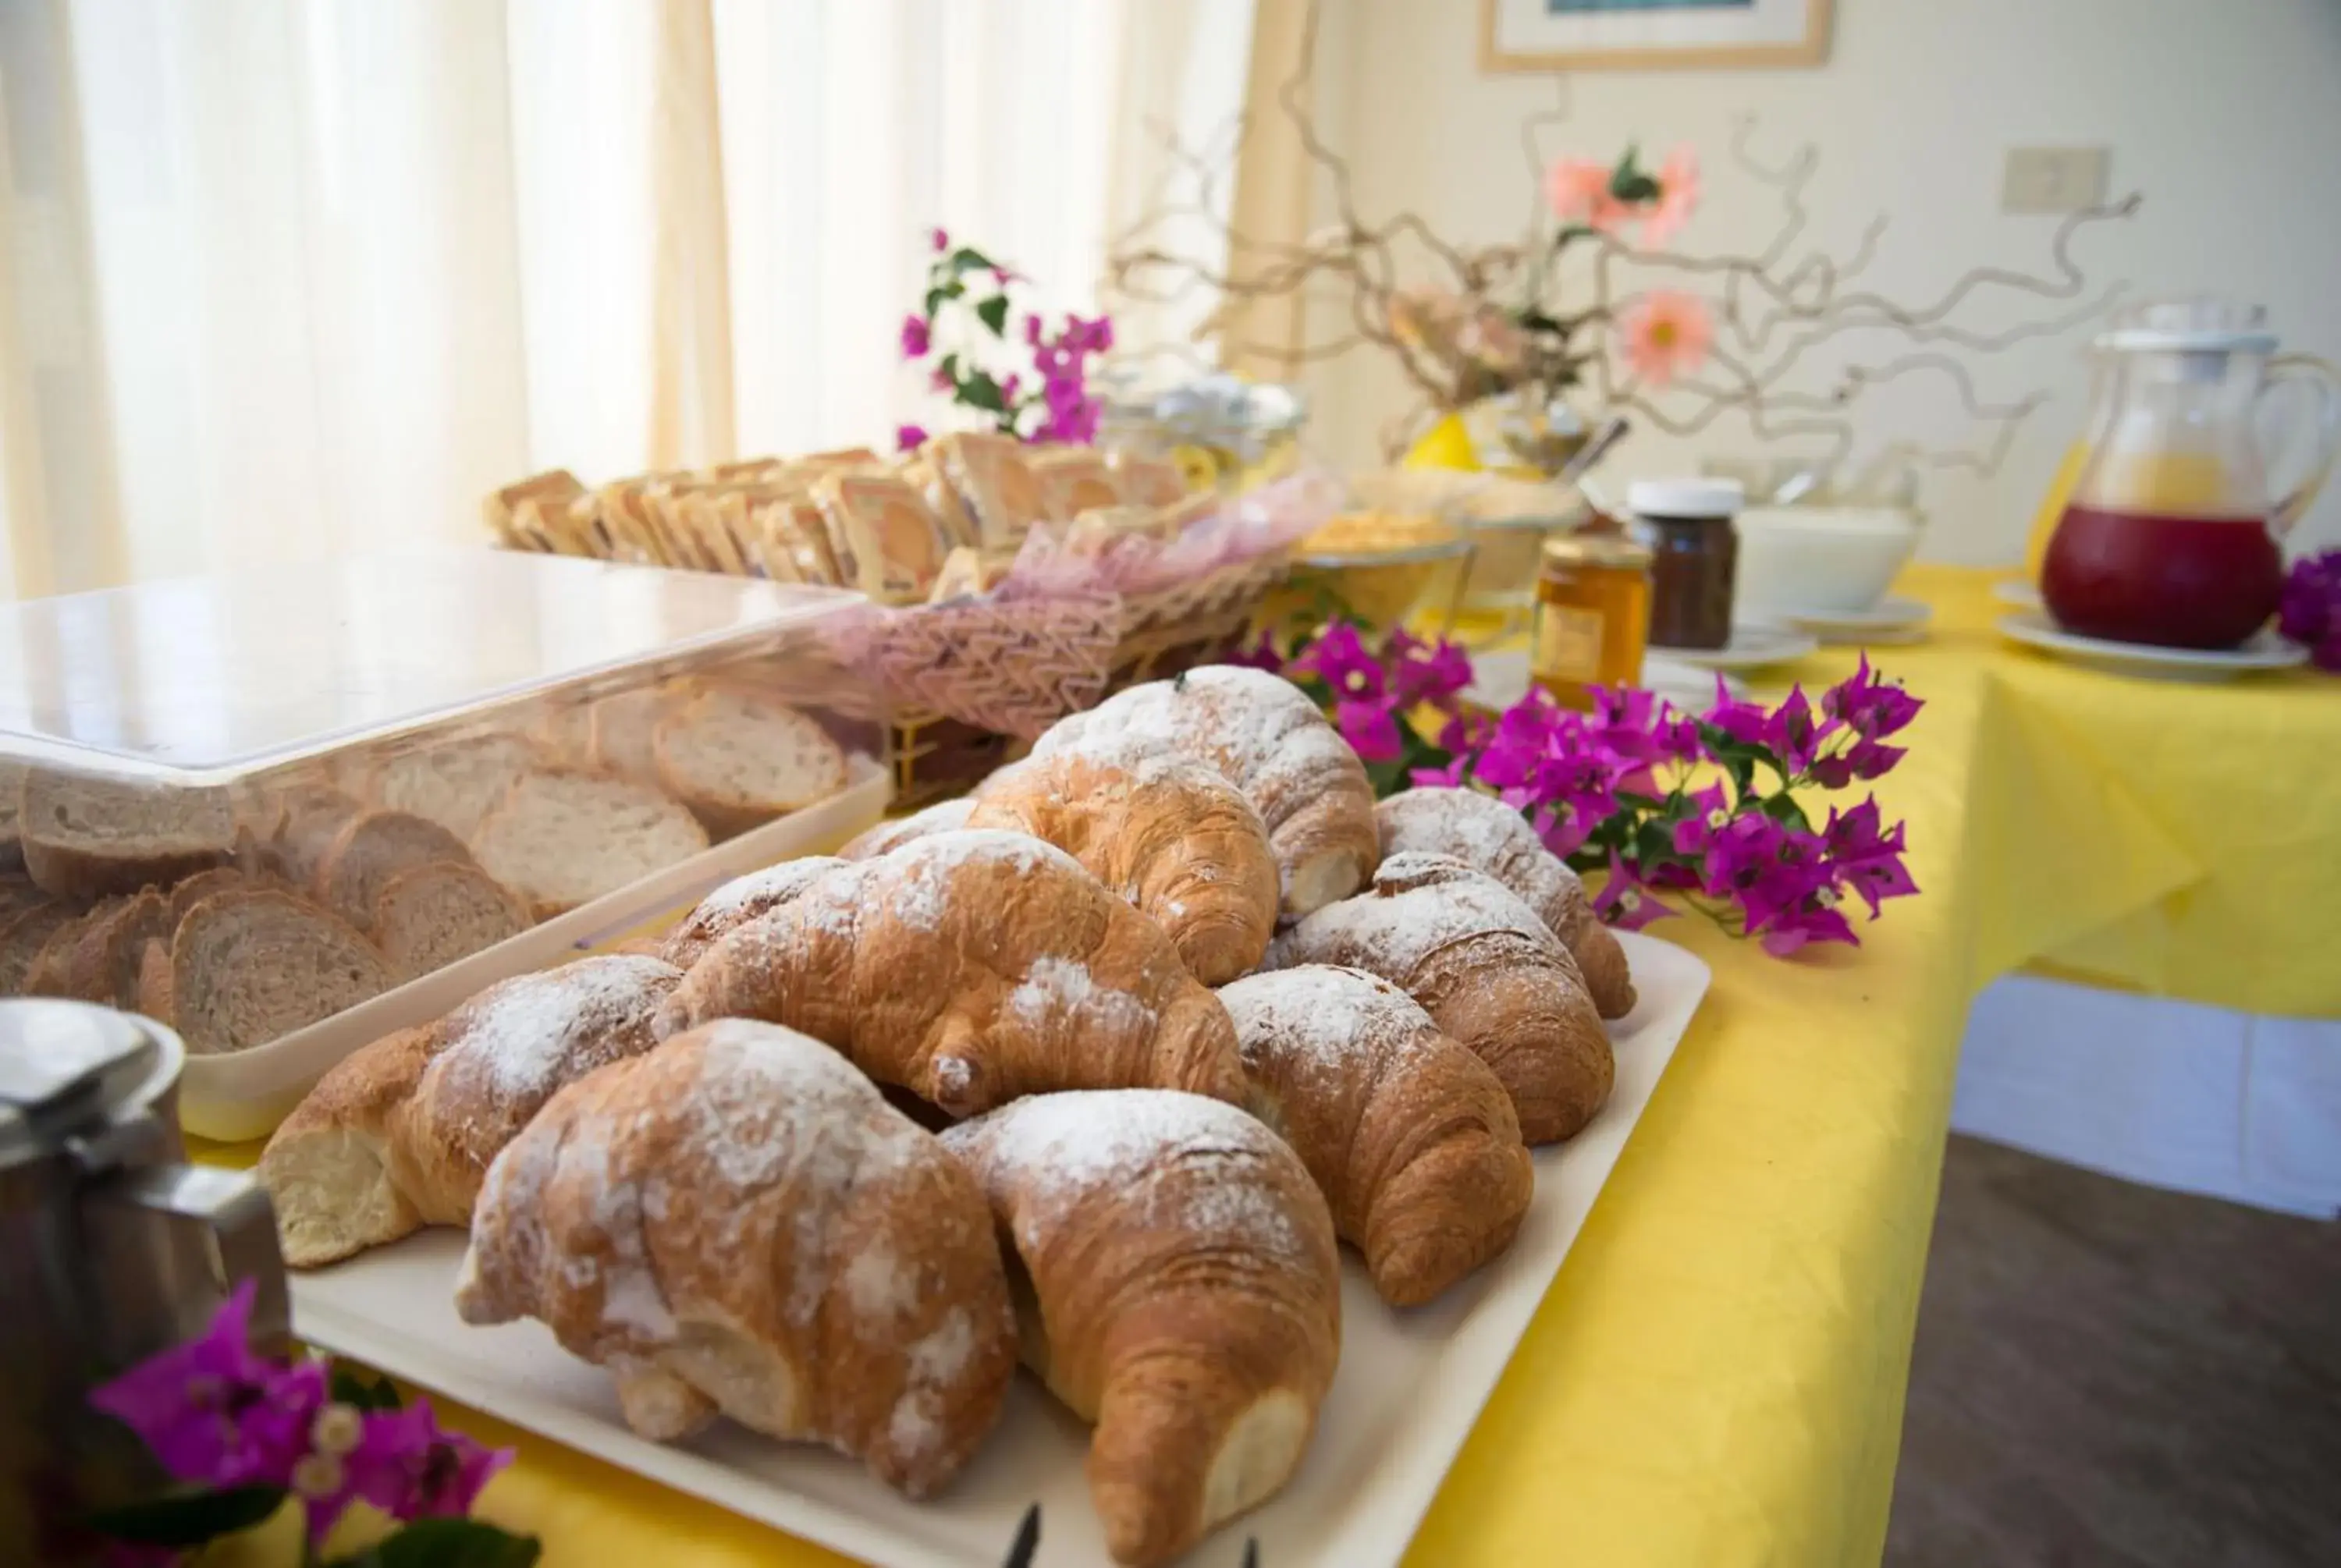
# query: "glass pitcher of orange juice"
{"type": "Point", "coordinates": [2169, 535]}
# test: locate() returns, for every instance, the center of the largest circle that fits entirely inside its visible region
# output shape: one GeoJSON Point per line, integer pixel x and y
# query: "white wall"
{"type": "Point", "coordinates": [2226, 115]}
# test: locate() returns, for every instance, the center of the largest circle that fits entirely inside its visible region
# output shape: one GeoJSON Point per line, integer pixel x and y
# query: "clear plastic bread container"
{"type": "Point", "coordinates": [289, 809]}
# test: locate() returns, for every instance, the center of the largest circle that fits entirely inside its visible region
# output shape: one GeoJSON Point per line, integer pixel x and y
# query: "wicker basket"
{"type": "Point", "coordinates": [1164, 632]}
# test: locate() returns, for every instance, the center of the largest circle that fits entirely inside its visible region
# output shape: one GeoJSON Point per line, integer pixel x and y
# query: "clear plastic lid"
{"type": "Point", "coordinates": [201, 681]}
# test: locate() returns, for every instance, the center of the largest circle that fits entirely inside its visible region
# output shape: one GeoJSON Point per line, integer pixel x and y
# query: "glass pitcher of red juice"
{"type": "Point", "coordinates": [2171, 533]}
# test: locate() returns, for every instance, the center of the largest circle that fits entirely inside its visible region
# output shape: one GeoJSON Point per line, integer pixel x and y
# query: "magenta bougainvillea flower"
{"type": "Point", "coordinates": [218, 1416]}
{"type": "Point", "coordinates": [1706, 808]}
{"type": "Point", "coordinates": [215, 1412]}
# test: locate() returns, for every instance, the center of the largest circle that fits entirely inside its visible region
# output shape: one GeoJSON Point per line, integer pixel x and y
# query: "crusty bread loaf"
{"type": "Point", "coordinates": [559, 839]}
{"type": "Point", "coordinates": [249, 966]}
{"type": "Point", "coordinates": [371, 848]}
{"type": "Point", "coordinates": [428, 916]}
{"type": "Point", "coordinates": [85, 837]}
{"type": "Point", "coordinates": [453, 782]}
{"type": "Point", "coordinates": [739, 757]}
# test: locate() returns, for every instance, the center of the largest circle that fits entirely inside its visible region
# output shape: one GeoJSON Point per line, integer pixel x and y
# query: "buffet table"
{"type": "Point", "coordinates": [1717, 1375]}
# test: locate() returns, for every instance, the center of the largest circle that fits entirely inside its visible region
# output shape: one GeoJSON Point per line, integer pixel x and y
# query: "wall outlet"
{"type": "Point", "coordinates": [2054, 179]}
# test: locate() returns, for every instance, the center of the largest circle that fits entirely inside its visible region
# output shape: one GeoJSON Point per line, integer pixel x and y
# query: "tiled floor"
{"type": "Point", "coordinates": [2113, 1374]}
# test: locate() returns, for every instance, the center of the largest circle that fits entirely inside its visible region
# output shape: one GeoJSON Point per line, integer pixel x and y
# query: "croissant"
{"type": "Point", "coordinates": [940, 818]}
{"type": "Point", "coordinates": [398, 1135]}
{"type": "Point", "coordinates": [1184, 1296]}
{"type": "Point", "coordinates": [1410, 1138]}
{"type": "Point", "coordinates": [1271, 743]}
{"type": "Point", "coordinates": [970, 968]}
{"type": "Point", "coordinates": [738, 901]}
{"type": "Point", "coordinates": [1490, 973]}
{"type": "Point", "coordinates": [1170, 835]}
{"type": "Point", "coordinates": [1489, 836]}
{"type": "Point", "coordinates": [738, 1223]}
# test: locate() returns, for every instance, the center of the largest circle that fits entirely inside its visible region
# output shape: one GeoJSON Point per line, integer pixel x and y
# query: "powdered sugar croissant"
{"type": "Point", "coordinates": [1170, 835]}
{"type": "Point", "coordinates": [1186, 1297]}
{"type": "Point", "coordinates": [1489, 836]}
{"type": "Point", "coordinates": [1486, 969]}
{"type": "Point", "coordinates": [1410, 1138]}
{"type": "Point", "coordinates": [970, 968]}
{"type": "Point", "coordinates": [1271, 743]}
{"type": "Point", "coordinates": [400, 1135]}
{"type": "Point", "coordinates": [738, 1223]}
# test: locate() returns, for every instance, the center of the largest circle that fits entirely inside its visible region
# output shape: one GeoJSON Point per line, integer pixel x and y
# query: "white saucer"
{"type": "Point", "coordinates": [1752, 647]}
{"type": "Point", "coordinates": [2021, 594]}
{"type": "Point", "coordinates": [2266, 651]}
{"type": "Point", "coordinates": [1500, 679]}
{"type": "Point", "coordinates": [1888, 621]}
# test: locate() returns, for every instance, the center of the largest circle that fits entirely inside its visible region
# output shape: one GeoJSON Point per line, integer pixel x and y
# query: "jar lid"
{"type": "Point", "coordinates": [1596, 549]}
{"type": "Point", "coordinates": [1685, 497]}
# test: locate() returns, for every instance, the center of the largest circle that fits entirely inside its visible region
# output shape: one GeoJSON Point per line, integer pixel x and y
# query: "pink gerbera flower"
{"type": "Point", "coordinates": [1664, 333]}
{"type": "Point", "coordinates": [1677, 195]}
{"type": "Point", "coordinates": [1579, 191]}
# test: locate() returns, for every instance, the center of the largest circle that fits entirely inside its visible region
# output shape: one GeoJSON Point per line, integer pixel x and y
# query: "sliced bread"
{"type": "Point", "coordinates": [623, 729]}
{"type": "Point", "coordinates": [308, 821]}
{"type": "Point", "coordinates": [372, 847]}
{"type": "Point", "coordinates": [153, 982]}
{"type": "Point", "coordinates": [103, 967]}
{"type": "Point", "coordinates": [559, 840]}
{"type": "Point", "coordinates": [426, 916]}
{"type": "Point", "coordinates": [26, 936]}
{"type": "Point", "coordinates": [252, 965]}
{"type": "Point", "coordinates": [738, 758]}
{"type": "Point", "coordinates": [185, 896]}
{"type": "Point", "coordinates": [12, 796]}
{"type": "Point", "coordinates": [84, 836]}
{"type": "Point", "coordinates": [455, 783]}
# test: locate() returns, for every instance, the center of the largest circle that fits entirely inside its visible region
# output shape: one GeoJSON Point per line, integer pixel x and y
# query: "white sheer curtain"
{"type": "Point", "coordinates": [289, 276]}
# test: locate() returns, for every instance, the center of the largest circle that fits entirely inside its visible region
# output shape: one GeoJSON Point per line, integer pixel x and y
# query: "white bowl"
{"type": "Point", "coordinates": [1833, 559]}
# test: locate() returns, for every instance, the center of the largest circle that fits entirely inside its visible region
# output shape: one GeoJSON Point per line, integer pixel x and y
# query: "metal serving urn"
{"type": "Point", "coordinates": [112, 1247]}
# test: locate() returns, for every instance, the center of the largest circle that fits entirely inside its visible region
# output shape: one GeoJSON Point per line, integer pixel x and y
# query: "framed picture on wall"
{"type": "Point", "coordinates": [1651, 35]}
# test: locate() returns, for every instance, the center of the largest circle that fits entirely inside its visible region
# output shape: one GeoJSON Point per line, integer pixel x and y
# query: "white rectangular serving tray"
{"type": "Point", "coordinates": [1409, 1386]}
{"type": "Point", "coordinates": [240, 1095]}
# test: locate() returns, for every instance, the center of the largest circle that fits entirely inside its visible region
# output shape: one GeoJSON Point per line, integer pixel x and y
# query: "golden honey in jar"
{"type": "Point", "coordinates": [1592, 616]}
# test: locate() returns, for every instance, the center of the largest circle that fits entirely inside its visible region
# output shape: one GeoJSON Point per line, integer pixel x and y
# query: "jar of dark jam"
{"type": "Point", "coordinates": [1694, 554]}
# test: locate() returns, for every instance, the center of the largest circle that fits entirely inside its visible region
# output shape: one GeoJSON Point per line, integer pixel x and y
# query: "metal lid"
{"type": "Point", "coordinates": [1596, 549]}
{"type": "Point", "coordinates": [67, 1067]}
{"type": "Point", "coordinates": [1685, 497]}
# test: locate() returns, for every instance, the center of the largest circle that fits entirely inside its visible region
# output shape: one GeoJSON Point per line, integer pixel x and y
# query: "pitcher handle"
{"type": "Point", "coordinates": [2307, 370]}
{"type": "Point", "coordinates": [230, 1205]}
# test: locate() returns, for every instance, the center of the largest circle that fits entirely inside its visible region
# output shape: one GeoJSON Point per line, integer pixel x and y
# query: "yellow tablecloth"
{"type": "Point", "coordinates": [1717, 1375]}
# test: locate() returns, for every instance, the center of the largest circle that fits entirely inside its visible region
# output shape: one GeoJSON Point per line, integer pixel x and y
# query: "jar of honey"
{"type": "Point", "coordinates": [1592, 616]}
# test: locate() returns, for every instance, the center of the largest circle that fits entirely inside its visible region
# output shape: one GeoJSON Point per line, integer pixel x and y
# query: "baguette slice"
{"type": "Point", "coordinates": [23, 938]}
{"type": "Point", "coordinates": [738, 758]}
{"type": "Point", "coordinates": [250, 966]}
{"type": "Point", "coordinates": [371, 848]}
{"type": "Point", "coordinates": [49, 972]}
{"type": "Point", "coordinates": [103, 966]}
{"type": "Point", "coordinates": [84, 836]}
{"type": "Point", "coordinates": [456, 782]}
{"type": "Point", "coordinates": [426, 916]}
{"type": "Point", "coordinates": [621, 728]}
{"type": "Point", "coordinates": [12, 796]}
{"type": "Point", "coordinates": [559, 840]}
{"type": "Point", "coordinates": [154, 983]}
